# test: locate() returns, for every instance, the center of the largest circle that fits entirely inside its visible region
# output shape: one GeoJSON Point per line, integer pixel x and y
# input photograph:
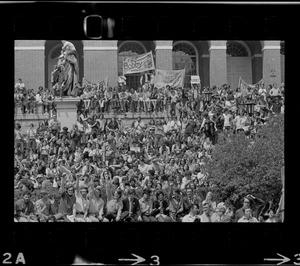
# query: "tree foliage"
{"type": "Point", "coordinates": [241, 166]}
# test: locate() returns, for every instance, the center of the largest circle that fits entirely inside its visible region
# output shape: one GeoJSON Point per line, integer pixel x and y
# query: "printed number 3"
{"type": "Point", "coordinates": [298, 259]}
{"type": "Point", "coordinates": [156, 260]}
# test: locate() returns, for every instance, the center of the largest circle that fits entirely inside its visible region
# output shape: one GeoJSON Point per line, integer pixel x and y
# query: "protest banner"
{"type": "Point", "coordinates": [86, 83]}
{"type": "Point", "coordinates": [243, 85]}
{"type": "Point", "coordinates": [138, 63]}
{"type": "Point", "coordinates": [102, 84]}
{"type": "Point", "coordinates": [173, 78]}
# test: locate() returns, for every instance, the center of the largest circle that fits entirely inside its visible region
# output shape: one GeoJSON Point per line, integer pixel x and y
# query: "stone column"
{"type": "Point", "coordinates": [30, 63]}
{"type": "Point", "coordinates": [163, 55]}
{"type": "Point", "coordinates": [217, 63]}
{"type": "Point", "coordinates": [100, 61]}
{"type": "Point", "coordinates": [271, 62]}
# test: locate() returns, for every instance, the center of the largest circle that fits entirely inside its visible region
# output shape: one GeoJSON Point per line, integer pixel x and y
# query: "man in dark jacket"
{"type": "Point", "coordinates": [24, 208]}
{"type": "Point", "coordinates": [190, 127]}
{"type": "Point", "coordinates": [131, 208]}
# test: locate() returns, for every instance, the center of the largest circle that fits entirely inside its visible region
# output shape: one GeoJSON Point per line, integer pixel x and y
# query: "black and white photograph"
{"type": "Point", "coordinates": [149, 133]}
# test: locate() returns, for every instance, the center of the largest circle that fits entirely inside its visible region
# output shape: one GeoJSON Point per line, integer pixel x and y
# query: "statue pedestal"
{"type": "Point", "coordinates": [67, 111]}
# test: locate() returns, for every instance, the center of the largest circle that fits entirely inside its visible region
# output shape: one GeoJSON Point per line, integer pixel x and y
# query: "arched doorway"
{"type": "Point", "coordinates": [52, 52]}
{"type": "Point", "coordinates": [238, 63]}
{"type": "Point", "coordinates": [185, 55]}
{"type": "Point", "coordinates": [130, 48]}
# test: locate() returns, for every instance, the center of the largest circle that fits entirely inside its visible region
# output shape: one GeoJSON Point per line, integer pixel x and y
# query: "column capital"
{"type": "Point", "coordinates": [163, 45]}
{"type": "Point", "coordinates": [29, 45]}
{"type": "Point", "coordinates": [217, 45]}
{"type": "Point", "coordinates": [270, 45]}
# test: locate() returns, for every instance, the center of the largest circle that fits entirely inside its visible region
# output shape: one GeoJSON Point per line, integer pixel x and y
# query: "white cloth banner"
{"type": "Point", "coordinates": [138, 63]}
{"type": "Point", "coordinates": [243, 85]}
{"type": "Point", "coordinates": [173, 78]}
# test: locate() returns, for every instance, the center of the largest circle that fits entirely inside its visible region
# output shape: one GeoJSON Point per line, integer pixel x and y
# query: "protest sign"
{"type": "Point", "coordinates": [195, 80]}
{"type": "Point", "coordinates": [138, 63]}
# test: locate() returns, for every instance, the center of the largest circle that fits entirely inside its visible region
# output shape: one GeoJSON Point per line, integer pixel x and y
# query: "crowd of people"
{"type": "Point", "coordinates": [179, 102]}
{"type": "Point", "coordinates": [103, 171]}
{"type": "Point", "coordinates": [29, 100]}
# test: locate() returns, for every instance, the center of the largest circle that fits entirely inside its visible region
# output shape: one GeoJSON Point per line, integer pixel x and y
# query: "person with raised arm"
{"type": "Point", "coordinates": [81, 206]}
{"type": "Point", "coordinates": [114, 202]}
{"type": "Point", "coordinates": [67, 201]}
{"type": "Point", "coordinates": [96, 206]}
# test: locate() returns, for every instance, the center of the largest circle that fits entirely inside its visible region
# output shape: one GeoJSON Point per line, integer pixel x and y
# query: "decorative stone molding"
{"type": "Point", "coordinates": [29, 48]}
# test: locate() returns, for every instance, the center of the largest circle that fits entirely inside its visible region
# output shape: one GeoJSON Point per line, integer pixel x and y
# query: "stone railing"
{"type": "Point", "coordinates": [67, 114]}
{"type": "Point", "coordinates": [29, 118]}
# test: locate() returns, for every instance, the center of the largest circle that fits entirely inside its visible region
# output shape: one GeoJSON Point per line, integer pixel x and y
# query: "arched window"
{"type": "Point", "coordinates": [236, 49]}
{"type": "Point", "coordinates": [184, 56]}
{"type": "Point", "coordinates": [128, 49]}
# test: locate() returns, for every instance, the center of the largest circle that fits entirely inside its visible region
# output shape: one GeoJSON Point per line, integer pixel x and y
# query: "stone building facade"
{"type": "Point", "coordinates": [216, 62]}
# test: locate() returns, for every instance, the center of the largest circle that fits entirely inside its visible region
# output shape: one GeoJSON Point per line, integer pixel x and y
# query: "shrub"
{"type": "Point", "coordinates": [241, 166]}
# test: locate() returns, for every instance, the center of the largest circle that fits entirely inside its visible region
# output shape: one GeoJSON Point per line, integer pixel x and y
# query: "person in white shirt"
{"type": "Point", "coordinates": [87, 128]}
{"type": "Point", "coordinates": [81, 206]}
{"type": "Point", "coordinates": [209, 200]}
{"type": "Point", "coordinates": [272, 217]}
{"type": "Point", "coordinates": [144, 168]}
{"type": "Point", "coordinates": [170, 125]}
{"type": "Point", "coordinates": [247, 218]}
{"type": "Point", "coordinates": [241, 121]}
{"type": "Point", "coordinates": [208, 216]}
{"type": "Point", "coordinates": [193, 215]}
{"type": "Point", "coordinates": [262, 91]}
{"type": "Point", "coordinates": [96, 204]}
{"type": "Point", "coordinates": [275, 90]}
{"type": "Point", "coordinates": [227, 119]}
{"type": "Point", "coordinates": [186, 180]}
{"type": "Point", "coordinates": [201, 176]}
{"type": "Point", "coordinates": [20, 84]}
{"type": "Point", "coordinates": [38, 97]}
